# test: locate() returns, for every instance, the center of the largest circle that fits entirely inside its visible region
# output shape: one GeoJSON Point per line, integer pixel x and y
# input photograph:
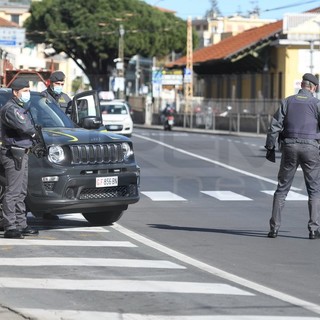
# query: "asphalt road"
{"type": "Point", "coordinates": [193, 248]}
{"type": "Point", "coordinates": [227, 234]}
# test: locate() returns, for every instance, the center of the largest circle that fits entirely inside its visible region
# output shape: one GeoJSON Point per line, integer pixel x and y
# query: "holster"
{"type": "Point", "coordinates": [17, 155]}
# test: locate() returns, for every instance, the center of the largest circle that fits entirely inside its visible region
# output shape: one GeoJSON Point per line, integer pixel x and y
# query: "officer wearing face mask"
{"type": "Point", "coordinates": [54, 93]}
{"type": "Point", "coordinates": [54, 90]}
{"type": "Point", "coordinates": [17, 134]}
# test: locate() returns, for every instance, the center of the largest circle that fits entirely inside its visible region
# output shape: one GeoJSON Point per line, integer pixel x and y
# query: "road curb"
{"type": "Point", "coordinates": [7, 314]}
{"type": "Point", "coordinates": [203, 131]}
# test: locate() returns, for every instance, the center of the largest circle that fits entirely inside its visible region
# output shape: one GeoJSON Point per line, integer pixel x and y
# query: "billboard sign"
{"type": "Point", "coordinates": [172, 78]}
{"type": "Point", "coordinates": [12, 37]}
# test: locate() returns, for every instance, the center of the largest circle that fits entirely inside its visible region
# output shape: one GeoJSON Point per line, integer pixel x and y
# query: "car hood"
{"type": "Point", "coordinates": [79, 136]}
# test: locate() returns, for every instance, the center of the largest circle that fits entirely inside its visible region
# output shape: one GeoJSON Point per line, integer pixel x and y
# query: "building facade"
{"type": "Point", "coordinates": [265, 62]}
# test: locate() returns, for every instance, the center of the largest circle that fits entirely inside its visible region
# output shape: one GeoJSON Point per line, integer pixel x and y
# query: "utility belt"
{"type": "Point", "coordinates": [314, 142]}
{"type": "Point", "coordinates": [21, 149]}
{"type": "Point", "coordinates": [17, 155]}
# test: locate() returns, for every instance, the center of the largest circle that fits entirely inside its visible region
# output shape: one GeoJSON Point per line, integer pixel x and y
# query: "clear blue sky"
{"type": "Point", "coordinates": [269, 9]}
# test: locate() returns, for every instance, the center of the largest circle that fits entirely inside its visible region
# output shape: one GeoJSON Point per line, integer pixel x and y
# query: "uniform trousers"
{"type": "Point", "coordinates": [307, 156]}
{"type": "Point", "coordinates": [13, 205]}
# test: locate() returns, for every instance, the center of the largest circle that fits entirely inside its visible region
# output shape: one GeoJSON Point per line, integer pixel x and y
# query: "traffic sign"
{"type": "Point", "coordinates": [12, 37]}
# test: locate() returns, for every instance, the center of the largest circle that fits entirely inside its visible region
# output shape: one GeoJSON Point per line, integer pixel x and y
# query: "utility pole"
{"type": "Point", "coordinates": [188, 75]}
{"type": "Point", "coordinates": [120, 67]}
{"type": "Point", "coordinates": [137, 74]}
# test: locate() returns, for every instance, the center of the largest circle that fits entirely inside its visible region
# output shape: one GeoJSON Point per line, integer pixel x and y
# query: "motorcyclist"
{"type": "Point", "coordinates": [167, 111]}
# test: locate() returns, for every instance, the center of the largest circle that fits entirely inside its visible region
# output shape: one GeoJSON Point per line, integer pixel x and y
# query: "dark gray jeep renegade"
{"type": "Point", "coordinates": [86, 169]}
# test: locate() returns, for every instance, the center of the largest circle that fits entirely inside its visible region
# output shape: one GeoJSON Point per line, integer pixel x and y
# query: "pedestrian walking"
{"type": "Point", "coordinates": [296, 125]}
{"type": "Point", "coordinates": [55, 92]}
{"type": "Point", "coordinates": [17, 134]}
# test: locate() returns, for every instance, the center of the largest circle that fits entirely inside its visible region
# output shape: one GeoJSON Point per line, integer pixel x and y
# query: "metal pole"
{"type": "Point", "coordinates": [311, 55]}
{"type": "Point", "coordinates": [120, 66]}
{"type": "Point", "coordinates": [137, 74]}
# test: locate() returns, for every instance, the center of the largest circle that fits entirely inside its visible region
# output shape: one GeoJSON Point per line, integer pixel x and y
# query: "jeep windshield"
{"type": "Point", "coordinates": [47, 113]}
{"type": "Point", "coordinates": [43, 111]}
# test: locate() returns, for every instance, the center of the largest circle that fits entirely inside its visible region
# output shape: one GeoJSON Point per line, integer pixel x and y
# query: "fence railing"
{"type": "Point", "coordinates": [252, 116]}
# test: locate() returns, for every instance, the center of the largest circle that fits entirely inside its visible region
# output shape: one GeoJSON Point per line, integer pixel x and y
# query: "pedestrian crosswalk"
{"type": "Point", "coordinates": [163, 196]}
{"type": "Point", "coordinates": [109, 267]}
{"type": "Point", "coordinates": [226, 195]}
{"type": "Point", "coordinates": [221, 195]}
{"type": "Point", "coordinates": [123, 286]}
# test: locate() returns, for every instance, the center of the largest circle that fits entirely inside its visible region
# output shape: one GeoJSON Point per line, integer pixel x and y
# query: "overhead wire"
{"type": "Point", "coordinates": [291, 5]}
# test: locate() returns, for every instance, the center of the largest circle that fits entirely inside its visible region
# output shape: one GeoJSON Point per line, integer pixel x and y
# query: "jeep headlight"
{"type": "Point", "coordinates": [127, 151]}
{"type": "Point", "coordinates": [56, 154]}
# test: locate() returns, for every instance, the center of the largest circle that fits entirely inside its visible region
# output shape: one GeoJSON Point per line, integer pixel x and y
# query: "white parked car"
{"type": "Point", "coordinates": [116, 117]}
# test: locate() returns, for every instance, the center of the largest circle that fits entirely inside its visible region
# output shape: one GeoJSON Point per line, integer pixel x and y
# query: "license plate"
{"type": "Point", "coordinates": [106, 182]}
{"type": "Point", "coordinates": [114, 127]}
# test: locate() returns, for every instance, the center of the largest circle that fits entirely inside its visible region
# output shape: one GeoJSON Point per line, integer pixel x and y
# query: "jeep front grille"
{"type": "Point", "coordinates": [96, 153]}
{"type": "Point", "coordinates": [110, 192]}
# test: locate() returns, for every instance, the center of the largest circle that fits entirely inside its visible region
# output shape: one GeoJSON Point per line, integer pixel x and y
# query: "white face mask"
{"type": "Point", "coordinates": [25, 97]}
{"type": "Point", "coordinates": [57, 89]}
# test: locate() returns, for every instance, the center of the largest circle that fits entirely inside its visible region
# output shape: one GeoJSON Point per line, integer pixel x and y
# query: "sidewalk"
{"type": "Point", "coordinates": [203, 131]}
{"type": "Point", "coordinates": [7, 314]}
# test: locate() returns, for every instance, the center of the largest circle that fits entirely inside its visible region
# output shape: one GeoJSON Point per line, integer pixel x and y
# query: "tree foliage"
{"type": "Point", "coordinates": [88, 32]}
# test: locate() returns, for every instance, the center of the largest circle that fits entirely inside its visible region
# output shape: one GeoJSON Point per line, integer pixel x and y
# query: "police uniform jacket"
{"type": "Point", "coordinates": [16, 126]}
{"type": "Point", "coordinates": [63, 99]}
{"type": "Point", "coordinates": [298, 117]}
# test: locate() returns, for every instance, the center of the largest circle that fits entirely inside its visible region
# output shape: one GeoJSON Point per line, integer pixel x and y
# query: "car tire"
{"type": "Point", "coordinates": [103, 218]}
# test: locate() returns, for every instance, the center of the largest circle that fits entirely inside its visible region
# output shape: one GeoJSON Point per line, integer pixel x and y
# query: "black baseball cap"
{"type": "Point", "coordinates": [311, 78]}
{"type": "Point", "coordinates": [19, 83]}
{"type": "Point", "coordinates": [57, 76]}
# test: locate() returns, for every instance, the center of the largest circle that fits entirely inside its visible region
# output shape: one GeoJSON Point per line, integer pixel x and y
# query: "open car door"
{"type": "Point", "coordinates": [85, 110]}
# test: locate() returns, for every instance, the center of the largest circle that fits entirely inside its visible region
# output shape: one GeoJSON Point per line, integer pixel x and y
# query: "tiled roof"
{"type": "Point", "coordinates": [231, 46]}
{"type": "Point", "coordinates": [6, 23]}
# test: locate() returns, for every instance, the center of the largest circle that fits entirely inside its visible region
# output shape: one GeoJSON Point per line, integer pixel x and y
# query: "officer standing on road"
{"type": "Point", "coordinates": [297, 121]}
{"type": "Point", "coordinates": [54, 90]}
{"type": "Point", "coordinates": [54, 93]}
{"type": "Point", "coordinates": [17, 133]}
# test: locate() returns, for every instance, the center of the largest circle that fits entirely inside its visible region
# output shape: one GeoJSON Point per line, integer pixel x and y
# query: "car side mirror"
{"type": "Point", "coordinates": [91, 122]}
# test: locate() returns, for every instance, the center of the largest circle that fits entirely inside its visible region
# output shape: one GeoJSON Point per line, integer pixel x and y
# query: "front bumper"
{"type": "Point", "coordinates": [78, 192]}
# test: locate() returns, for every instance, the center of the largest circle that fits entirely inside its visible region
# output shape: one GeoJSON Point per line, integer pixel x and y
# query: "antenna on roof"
{"type": "Point", "coordinates": [255, 12]}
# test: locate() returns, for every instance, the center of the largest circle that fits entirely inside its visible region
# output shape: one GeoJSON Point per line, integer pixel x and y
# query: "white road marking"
{"type": "Point", "coordinates": [89, 262]}
{"type": "Point", "coordinates": [64, 243]}
{"type": "Point", "coordinates": [218, 272]}
{"type": "Point", "coordinates": [96, 315]}
{"type": "Point", "coordinates": [162, 196]}
{"type": "Point", "coordinates": [249, 174]}
{"type": "Point", "coordinates": [226, 195]}
{"type": "Point", "coordinates": [292, 196]}
{"type": "Point", "coordinates": [81, 229]}
{"type": "Point", "coordinates": [123, 286]}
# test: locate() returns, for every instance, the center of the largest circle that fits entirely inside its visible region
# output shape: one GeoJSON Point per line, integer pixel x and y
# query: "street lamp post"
{"type": "Point", "coordinates": [120, 63]}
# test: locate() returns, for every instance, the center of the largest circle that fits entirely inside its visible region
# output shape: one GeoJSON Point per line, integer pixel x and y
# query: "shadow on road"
{"type": "Point", "coordinates": [246, 233]}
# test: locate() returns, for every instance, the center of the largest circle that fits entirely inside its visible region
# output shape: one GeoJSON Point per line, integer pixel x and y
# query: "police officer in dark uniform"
{"type": "Point", "coordinates": [54, 93]}
{"type": "Point", "coordinates": [297, 121]}
{"type": "Point", "coordinates": [17, 134]}
{"type": "Point", "coordinates": [54, 90]}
